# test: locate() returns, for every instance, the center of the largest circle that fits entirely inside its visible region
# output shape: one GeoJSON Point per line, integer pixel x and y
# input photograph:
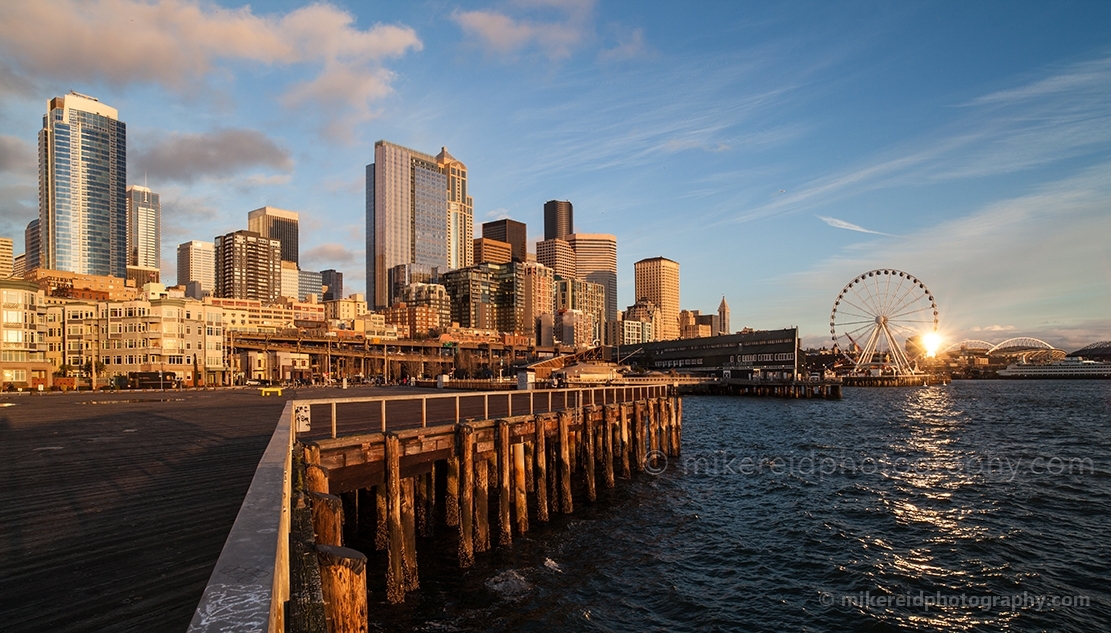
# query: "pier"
{"type": "Point", "coordinates": [903, 380]}
{"type": "Point", "coordinates": [347, 482]}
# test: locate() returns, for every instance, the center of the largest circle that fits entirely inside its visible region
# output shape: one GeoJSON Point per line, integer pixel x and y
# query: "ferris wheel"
{"type": "Point", "coordinates": [874, 316]}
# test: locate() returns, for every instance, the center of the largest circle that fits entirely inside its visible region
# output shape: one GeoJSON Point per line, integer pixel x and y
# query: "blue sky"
{"type": "Point", "coordinates": [775, 150]}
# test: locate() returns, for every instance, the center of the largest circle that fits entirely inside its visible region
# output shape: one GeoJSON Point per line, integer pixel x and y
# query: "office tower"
{"type": "Point", "coordinates": [332, 280]}
{"type": "Point", "coordinates": [406, 216]}
{"type": "Point", "coordinates": [7, 257]}
{"type": "Point", "coordinates": [309, 283]}
{"type": "Point", "coordinates": [511, 231]}
{"type": "Point", "coordinates": [559, 220]}
{"type": "Point", "coordinates": [491, 251]}
{"type": "Point", "coordinates": [587, 297]}
{"type": "Point", "coordinates": [723, 318]}
{"type": "Point", "coordinates": [557, 255]}
{"type": "Point", "coordinates": [291, 280]}
{"type": "Point", "coordinates": [196, 261]}
{"type": "Point", "coordinates": [144, 228]}
{"type": "Point", "coordinates": [596, 261]}
{"type": "Point", "coordinates": [31, 242]}
{"type": "Point", "coordinates": [248, 266]}
{"type": "Point", "coordinates": [460, 212]}
{"type": "Point", "coordinates": [82, 180]}
{"type": "Point", "coordinates": [471, 295]}
{"type": "Point", "coordinates": [539, 296]}
{"type": "Point", "coordinates": [657, 280]}
{"type": "Point", "coordinates": [19, 266]}
{"type": "Point", "coordinates": [276, 224]}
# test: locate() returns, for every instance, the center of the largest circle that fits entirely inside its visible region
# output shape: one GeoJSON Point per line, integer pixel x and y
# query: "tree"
{"type": "Point", "coordinates": [465, 364]}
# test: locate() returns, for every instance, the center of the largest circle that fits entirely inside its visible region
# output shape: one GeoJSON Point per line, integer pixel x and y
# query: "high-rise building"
{"type": "Point", "coordinates": [332, 281]}
{"type": "Point", "coordinates": [539, 296]}
{"type": "Point", "coordinates": [723, 318]}
{"type": "Point", "coordinates": [196, 261]}
{"type": "Point", "coordinates": [586, 297]}
{"type": "Point", "coordinates": [309, 283]}
{"type": "Point", "coordinates": [31, 240]}
{"type": "Point", "coordinates": [19, 266]}
{"type": "Point", "coordinates": [511, 231]}
{"type": "Point", "coordinates": [291, 281]}
{"type": "Point", "coordinates": [406, 215]}
{"type": "Point", "coordinates": [7, 257]}
{"type": "Point", "coordinates": [144, 228]}
{"type": "Point", "coordinates": [657, 280]}
{"type": "Point", "coordinates": [559, 219]}
{"type": "Point", "coordinates": [558, 255]}
{"type": "Point", "coordinates": [82, 180]}
{"type": "Point", "coordinates": [460, 212]}
{"type": "Point", "coordinates": [596, 261]}
{"type": "Point", "coordinates": [276, 224]}
{"type": "Point", "coordinates": [248, 266]}
{"type": "Point", "coordinates": [491, 251]}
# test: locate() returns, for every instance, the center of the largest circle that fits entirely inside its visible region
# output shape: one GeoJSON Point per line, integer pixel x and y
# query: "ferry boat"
{"type": "Point", "coordinates": [1070, 367]}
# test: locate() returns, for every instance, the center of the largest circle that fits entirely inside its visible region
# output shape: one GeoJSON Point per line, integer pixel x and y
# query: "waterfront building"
{"type": "Point", "coordinates": [559, 219]}
{"type": "Point", "coordinates": [347, 309]}
{"type": "Point", "coordinates": [491, 251]}
{"type": "Point", "coordinates": [331, 282]}
{"type": "Point", "coordinates": [252, 316]}
{"type": "Point", "coordinates": [82, 180]}
{"type": "Point", "coordinates": [596, 261]}
{"type": "Point", "coordinates": [511, 232]}
{"type": "Point", "coordinates": [69, 285]}
{"type": "Point", "coordinates": [31, 240]}
{"type": "Point", "coordinates": [558, 255]}
{"type": "Point", "coordinates": [7, 257]}
{"type": "Point", "coordinates": [657, 280]}
{"type": "Point", "coordinates": [248, 266]}
{"type": "Point", "coordinates": [277, 224]}
{"type": "Point", "coordinates": [144, 228]}
{"type": "Point", "coordinates": [629, 332]}
{"type": "Point", "coordinates": [759, 354]}
{"type": "Point", "coordinates": [460, 212]}
{"type": "Point", "coordinates": [407, 215]}
{"type": "Point", "coordinates": [23, 326]}
{"type": "Point", "coordinates": [196, 261]}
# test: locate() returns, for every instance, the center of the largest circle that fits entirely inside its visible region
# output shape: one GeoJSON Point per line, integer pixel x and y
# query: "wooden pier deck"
{"type": "Point", "coordinates": [115, 513]}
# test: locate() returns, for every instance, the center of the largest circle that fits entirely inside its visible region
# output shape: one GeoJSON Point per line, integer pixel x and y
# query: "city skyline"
{"type": "Point", "coordinates": [795, 147]}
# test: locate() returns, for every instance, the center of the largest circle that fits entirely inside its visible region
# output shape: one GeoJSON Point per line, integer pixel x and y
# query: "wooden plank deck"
{"type": "Point", "coordinates": [115, 513]}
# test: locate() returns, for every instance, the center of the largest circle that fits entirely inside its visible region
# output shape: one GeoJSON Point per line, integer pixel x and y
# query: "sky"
{"type": "Point", "coordinates": [776, 150]}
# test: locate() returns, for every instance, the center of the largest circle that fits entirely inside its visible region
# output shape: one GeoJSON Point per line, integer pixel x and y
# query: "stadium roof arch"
{"type": "Point", "coordinates": [1020, 344]}
{"type": "Point", "coordinates": [968, 344]}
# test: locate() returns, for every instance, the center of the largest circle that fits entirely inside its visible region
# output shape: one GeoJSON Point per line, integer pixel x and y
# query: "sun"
{"type": "Point", "coordinates": [931, 342]}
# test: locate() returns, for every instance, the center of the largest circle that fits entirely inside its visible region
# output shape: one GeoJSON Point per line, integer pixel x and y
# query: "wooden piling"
{"type": "Point", "coordinates": [327, 518]}
{"type": "Point", "coordinates": [679, 425]}
{"type": "Point", "coordinates": [382, 513]}
{"type": "Point", "coordinates": [395, 570]}
{"type": "Point", "coordinates": [638, 435]}
{"type": "Point", "coordinates": [589, 454]}
{"type": "Point", "coordinates": [541, 463]}
{"type": "Point", "coordinates": [520, 488]}
{"type": "Point", "coordinates": [316, 479]}
{"type": "Point", "coordinates": [505, 529]}
{"type": "Point", "coordinates": [451, 498]}
{"type": "Point", "coordinates": [465, 446]}
{"type": "Point", "coordinates": [481, 505]}
{"type": "Point", "coordinates": [409, 534]}
{"type": "Point", "coordinates": [343, 584]}
{"type": "Point", "coordinates": [426, 503]}
{"type": "Point", "coordinates": [608, 414]}
{"type": "Point", "coordinates": [626, 446]}
{"type": "Point", "coordinates": [565, 462]}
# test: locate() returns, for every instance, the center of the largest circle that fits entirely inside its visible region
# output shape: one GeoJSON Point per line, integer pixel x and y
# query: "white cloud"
{"type": "Point", "coordinates": [178, 43]}
{"type": "Point", "coordinates": [504, 35]}
{"type": "Point", "coordinates": [848, 226]}
{"type": "Point", "coordinates": [331, 253]}
{"type": "Point", "coordinates": [218, 155]}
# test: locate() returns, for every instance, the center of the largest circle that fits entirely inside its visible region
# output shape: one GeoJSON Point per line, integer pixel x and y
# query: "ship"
{"type": "Point", "coordinates": [1071, 367]}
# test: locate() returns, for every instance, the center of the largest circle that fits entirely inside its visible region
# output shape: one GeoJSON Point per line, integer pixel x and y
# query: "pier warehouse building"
{"type": "Point", "coordinates": [759, 354]}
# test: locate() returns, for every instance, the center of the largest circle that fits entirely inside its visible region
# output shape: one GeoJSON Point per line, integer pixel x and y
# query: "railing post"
{"type": "Point", "coordinates": [333, 420]}
{"type": "Point", "coordinates": [531, 393]}
{"type": "Point", "coordinates": [509, 404]}
{"type": "Point", "coordinates": [457, 409]}
{"type": "Point", "coordinates": [424, 412]}
{"type": "Point", "coordinates": [485, 406]}
{"type": "Point", "coordinates": [383, 416]}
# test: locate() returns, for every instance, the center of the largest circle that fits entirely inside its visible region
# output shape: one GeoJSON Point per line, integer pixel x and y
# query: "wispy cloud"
{"type": "Point", "coordinates": [629, 46]}
{"type": "Point", "coordinates": [220, 154]}
{"type": "Point", "coordinates": [178, 44]}
{"type": "Point", "coordinates": [506, 36]}
{"type": "Point", "coordinates": [848, 226]}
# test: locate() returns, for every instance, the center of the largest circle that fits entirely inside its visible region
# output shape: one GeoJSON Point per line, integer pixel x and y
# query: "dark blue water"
{"type": "Point", "coordinates": [979, 506]}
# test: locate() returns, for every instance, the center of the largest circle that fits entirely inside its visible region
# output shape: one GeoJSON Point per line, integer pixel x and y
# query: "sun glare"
{"type": "Point", "coordinates": [931, 342]}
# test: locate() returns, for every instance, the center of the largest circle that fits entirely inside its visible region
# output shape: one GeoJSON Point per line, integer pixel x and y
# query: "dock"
{"type": "Point", "coordinates": [351, 484]}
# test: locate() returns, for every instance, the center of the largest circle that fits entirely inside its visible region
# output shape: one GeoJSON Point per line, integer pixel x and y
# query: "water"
{"type": "Point", "coordinates": [868, 514]}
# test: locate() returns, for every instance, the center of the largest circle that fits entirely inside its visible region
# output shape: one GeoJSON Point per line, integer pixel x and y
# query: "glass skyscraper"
{"type": "Point", "coordinates": [144, 228]}
{"type": "Point", "coordinates": [82, 187]}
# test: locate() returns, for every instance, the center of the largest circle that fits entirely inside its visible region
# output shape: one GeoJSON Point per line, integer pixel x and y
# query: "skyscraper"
{"type": "Point", "coordinates": [144, 228]}
{"type": "Point", "coordinates": [31, 241]}
{"type": "Point", "coordinates": [557, 255]}
{"type": "Point", "coordinates": [276, 224]}
{"type": "Point", "coordinates": [596, 261]}
{"type": "Point", "coordinates": [491, 251]}
{"type": "Point", "coordinates": [559, 219]}
{"type": "Point", "coordinates": [406, 215]}
{"type": "Point", "coordinates": [82, 180]}
{"type": "Point", "coordinates": [460, 212]}
{"type": "Point", "coordinates": [657, 280]}
{"type": "Point", "coordinates": [248, 266]}
{"type": "Point", "coordinates": [7, 257]}
{"type": "Point", "coordinates": [723, 318]}
{"type": "Point", "coordinates": [332, 280]}
{"type": "Point", "coordinates": [512, 232]}
{"type": "Point", "coordinates": [196, 261]}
